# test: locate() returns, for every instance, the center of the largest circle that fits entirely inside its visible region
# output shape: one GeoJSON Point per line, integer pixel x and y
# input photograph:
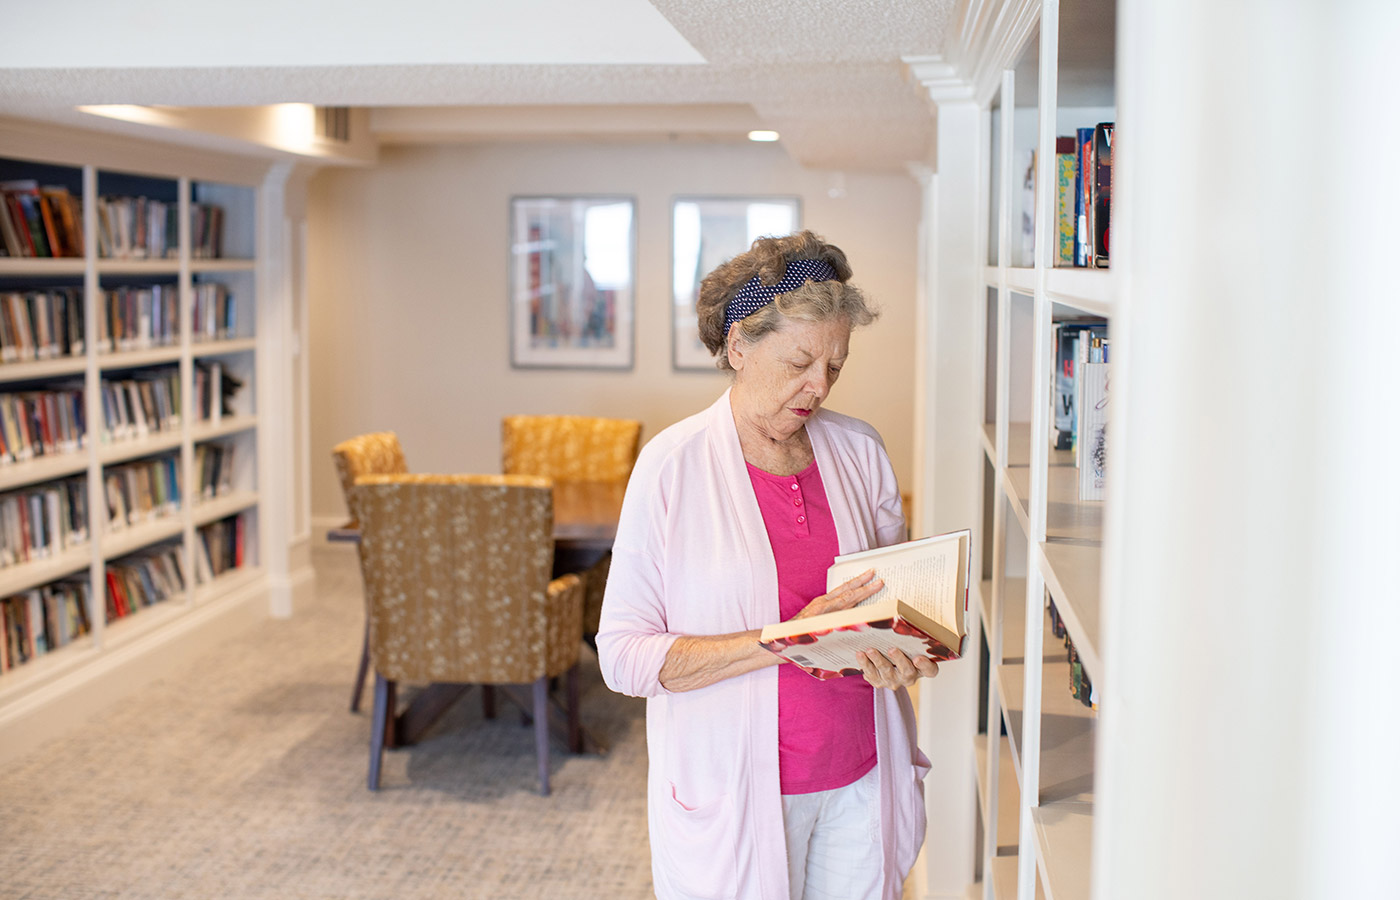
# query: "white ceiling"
{"type": "Point", "coordinates": [825, 73]}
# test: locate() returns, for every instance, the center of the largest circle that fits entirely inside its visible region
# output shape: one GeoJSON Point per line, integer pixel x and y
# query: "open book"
{"type": "Point", "coordinates": [920, 610]}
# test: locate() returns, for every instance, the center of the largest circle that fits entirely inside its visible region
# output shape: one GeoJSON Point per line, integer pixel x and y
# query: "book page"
{"type": "Point", "coordinates": [834, 652]}
{"type": "Point", "coordinates": [925, 577]}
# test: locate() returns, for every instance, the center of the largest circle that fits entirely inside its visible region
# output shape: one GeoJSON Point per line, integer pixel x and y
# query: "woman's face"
{"type": "Point", "coordinates": [782, 379]}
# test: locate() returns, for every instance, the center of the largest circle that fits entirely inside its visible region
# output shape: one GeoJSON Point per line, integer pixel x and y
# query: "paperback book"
{"type": "Point", "coordinates": [1093, 429]}
{"type": "Point", "coordinates": [921, 610]}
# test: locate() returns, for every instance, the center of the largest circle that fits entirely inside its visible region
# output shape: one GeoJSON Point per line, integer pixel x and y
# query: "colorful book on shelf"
{"type": "Point", "coordinates": [1068, 336]}
{"type": "Point", "coordinates": [1064, 335]}
{"type": "Point", "coordinates": [22, 201]}
{"type": "Point", "coordinates": [142, 580]}
{"type": "Point", "coordinates": [67, 212]}
{"type": "Point", "coordinates": [38, 522]}
{"type": "Point", "coordinates": [1066, 169]}
{"type": "Point", "coordinates": [1103, 192]}
{"type": "Point", "coordinates": [11, 242]}
{"type": "Point", "coordinates": [1083, 198]}
{"type": "Point", "coordinates": [921, 610]}
{"type": "Point", "coordinates": [214, 465]}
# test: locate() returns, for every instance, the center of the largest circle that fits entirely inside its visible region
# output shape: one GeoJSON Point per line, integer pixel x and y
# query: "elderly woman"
{"type": "Point", "coordinates": [765, 782]}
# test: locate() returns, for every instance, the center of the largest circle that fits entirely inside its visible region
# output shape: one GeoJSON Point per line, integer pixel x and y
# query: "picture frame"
{"type": "Point", "coordinates": [573, 276]}
{"type": "Point", "coordinates": [706, 231]}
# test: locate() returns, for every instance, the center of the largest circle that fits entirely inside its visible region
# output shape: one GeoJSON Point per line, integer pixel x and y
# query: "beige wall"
{"type": "Point", "coordinates": [408, 282]}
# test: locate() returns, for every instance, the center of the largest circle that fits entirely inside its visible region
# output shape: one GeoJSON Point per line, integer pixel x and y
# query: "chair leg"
{"type": "Point", "coordinates": [380, 724]}
{"type": "Point", "coordinates": [575, 727]}
{"type": "Point", "coordinates": [488, 701]}
{"type": "Point", "coordinates": [364, 670]}
{"type": "Point", "coordinates": [542, 732]}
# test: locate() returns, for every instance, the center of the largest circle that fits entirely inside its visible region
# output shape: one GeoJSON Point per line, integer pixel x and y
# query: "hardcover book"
{"type": "Point", "coordinates": [1084, 198]}
{"type": "Point", "coordinates": [921, 609]}
{"type": "Point", "coordinates": [1103, 191]}
{"type": "Point", "coordinates": [1066, 169]}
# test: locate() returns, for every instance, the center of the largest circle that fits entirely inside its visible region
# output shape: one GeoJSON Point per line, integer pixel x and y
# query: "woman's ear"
{"type": "Point", "coordinates": [734, 347]}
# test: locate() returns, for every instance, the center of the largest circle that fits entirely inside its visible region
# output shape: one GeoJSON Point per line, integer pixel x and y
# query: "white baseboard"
{"type": "Point", "coordinates": [103, 679]}
{"type": "Point", "coordinates": [299, 586]}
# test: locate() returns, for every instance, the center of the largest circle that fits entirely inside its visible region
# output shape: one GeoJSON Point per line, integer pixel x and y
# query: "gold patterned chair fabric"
{"type": "Point", "coordinates": [574, 448]}
{"type": "Point", "coordinates": [377, 453]}
{"type": "Point", "coordinates": [570, 448]}
{"type": "Point", "coordinates": [458, 589]}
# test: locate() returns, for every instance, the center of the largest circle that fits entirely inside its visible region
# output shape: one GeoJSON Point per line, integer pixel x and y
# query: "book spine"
{"type": "Point", "coordinates": [1093, 456]}
{"type": "Point", "coordinates": [1083, 205]}
{"type": "Point", "coordinates": [1103, 191]}
{"type": "Point", "coordinates": [1066, 166]}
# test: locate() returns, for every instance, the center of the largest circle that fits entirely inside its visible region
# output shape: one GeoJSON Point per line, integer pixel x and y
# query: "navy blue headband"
{"type": "Point", "coordinates": [755, 295]}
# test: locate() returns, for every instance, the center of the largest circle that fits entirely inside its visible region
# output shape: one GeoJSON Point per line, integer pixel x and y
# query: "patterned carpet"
{"type": "Point", "coordinates": [243, 776]}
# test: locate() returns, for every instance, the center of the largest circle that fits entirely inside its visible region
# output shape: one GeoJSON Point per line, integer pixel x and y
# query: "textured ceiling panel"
{"type": "Point", "coordinates": [825, 73]}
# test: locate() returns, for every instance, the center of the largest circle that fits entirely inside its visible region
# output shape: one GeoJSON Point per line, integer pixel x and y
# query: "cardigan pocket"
{"type": "Point", "coordinates": [697, 847]}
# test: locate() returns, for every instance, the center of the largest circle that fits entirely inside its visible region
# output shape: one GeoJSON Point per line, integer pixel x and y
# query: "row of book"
{"type": "Point", "coordinates": [41, 324]}
{"type": "Point", "coordinates": [213, 465]}
{"type": "Point", "coordinates": [53, 421]}
{"type": "Point", "coordinates": [49, 323]}
{"type": "Point", "coordinates": [1080, 685]}
{"type": "Point", "coordinates": [214, 316]}
{"type": "Point", "coordinates": [41, 522]}
{"type": "Point", "coordinates": [39, 220]}
{"type": "Point", "coordinates": [143, 579]}
{"type": "Point", "coordinates": [42, 619]}
{"type": "Point", "coordinates": [214, 391]}
{"type": "Point", "coordinates": [1084, 188]}
{"type": "Point", "coordinates": [54, 615]}
{"type": "Point", "coordinates": [149, 401]}
{"type": "Point", "coordinates": [41, 423]}
{"type": "Point", "coordinates": [146, 403]}
{"type": "Point", "coordinates": [142, 490]}
{"type": "Point", "coordinates": [138, 317]}
{"type": "Point", "coordinates": [220, 548]}
{"type": "Point", "coordinates": [1080, 398]}
{"type": "Point", "coordinates": [147, 228]}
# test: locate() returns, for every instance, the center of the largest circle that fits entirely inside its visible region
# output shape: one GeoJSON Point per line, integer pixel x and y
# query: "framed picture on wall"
{"type": "Point", "coordinates": [573, 264]}
{"type": "Point", "coordinates": [706, 231]}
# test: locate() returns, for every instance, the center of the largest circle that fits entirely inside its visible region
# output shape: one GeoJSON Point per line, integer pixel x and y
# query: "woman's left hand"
{"type": "Point", "coordinates": [896, 670]}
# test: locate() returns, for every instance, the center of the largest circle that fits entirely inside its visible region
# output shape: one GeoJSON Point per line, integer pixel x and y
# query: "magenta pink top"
{"type": "Point", "coordinates": [826, 729]}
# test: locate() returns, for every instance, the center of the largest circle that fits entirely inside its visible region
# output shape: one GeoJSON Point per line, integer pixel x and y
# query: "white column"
{"type": "Point", "coordinates": [278, 431]}
{"type": "Point", "coordinates": [1249, 724]}
{"type": "Point", "coordinates": [949, 438]}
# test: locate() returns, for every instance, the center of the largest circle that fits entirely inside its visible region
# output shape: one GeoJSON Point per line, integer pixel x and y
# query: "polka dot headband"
{"type": "Point", "coordinates": [755, 295]}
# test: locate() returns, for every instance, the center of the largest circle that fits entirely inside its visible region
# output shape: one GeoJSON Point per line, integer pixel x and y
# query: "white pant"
{"type": "Point", "coordinates": [833, 842]}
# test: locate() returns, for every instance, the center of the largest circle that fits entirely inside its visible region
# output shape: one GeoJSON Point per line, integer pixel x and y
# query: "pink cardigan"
{"type": "Point", "coordinates": [692, 557]}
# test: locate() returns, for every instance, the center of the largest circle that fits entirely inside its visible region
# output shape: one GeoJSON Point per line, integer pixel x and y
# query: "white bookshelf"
{"type": "Point", "coordinates": [167, 628]}
{"type": "Point", "coordinates": [1238, 493]}
{"type": "Point", "coordinates": [1001, 101]}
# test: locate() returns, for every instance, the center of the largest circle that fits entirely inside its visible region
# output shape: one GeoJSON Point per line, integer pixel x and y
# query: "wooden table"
{"type": "Point", "coordinates": [585, 517]}
{"type": "Point", "coordinates": [586, 514]}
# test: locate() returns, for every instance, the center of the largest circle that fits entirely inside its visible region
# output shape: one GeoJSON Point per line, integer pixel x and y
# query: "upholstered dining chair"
{"type": "Point", "coordinates": [378, 453]}
{"type": "Point", "coordinates": [574, 448]}
{"type": "Point", "coordinates": [570, 448]}
{"type": "Point", "coordinates": [458, 590]}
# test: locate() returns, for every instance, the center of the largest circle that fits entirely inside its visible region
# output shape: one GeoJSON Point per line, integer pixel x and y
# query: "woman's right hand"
{"type": "Point", "coordinates": [697, 661]}
{"type": "Point", "coordinates": [862, 587]}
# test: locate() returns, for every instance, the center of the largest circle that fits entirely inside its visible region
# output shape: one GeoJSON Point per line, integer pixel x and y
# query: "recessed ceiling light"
{"type": "Point", "coordinates": [763, 135]}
